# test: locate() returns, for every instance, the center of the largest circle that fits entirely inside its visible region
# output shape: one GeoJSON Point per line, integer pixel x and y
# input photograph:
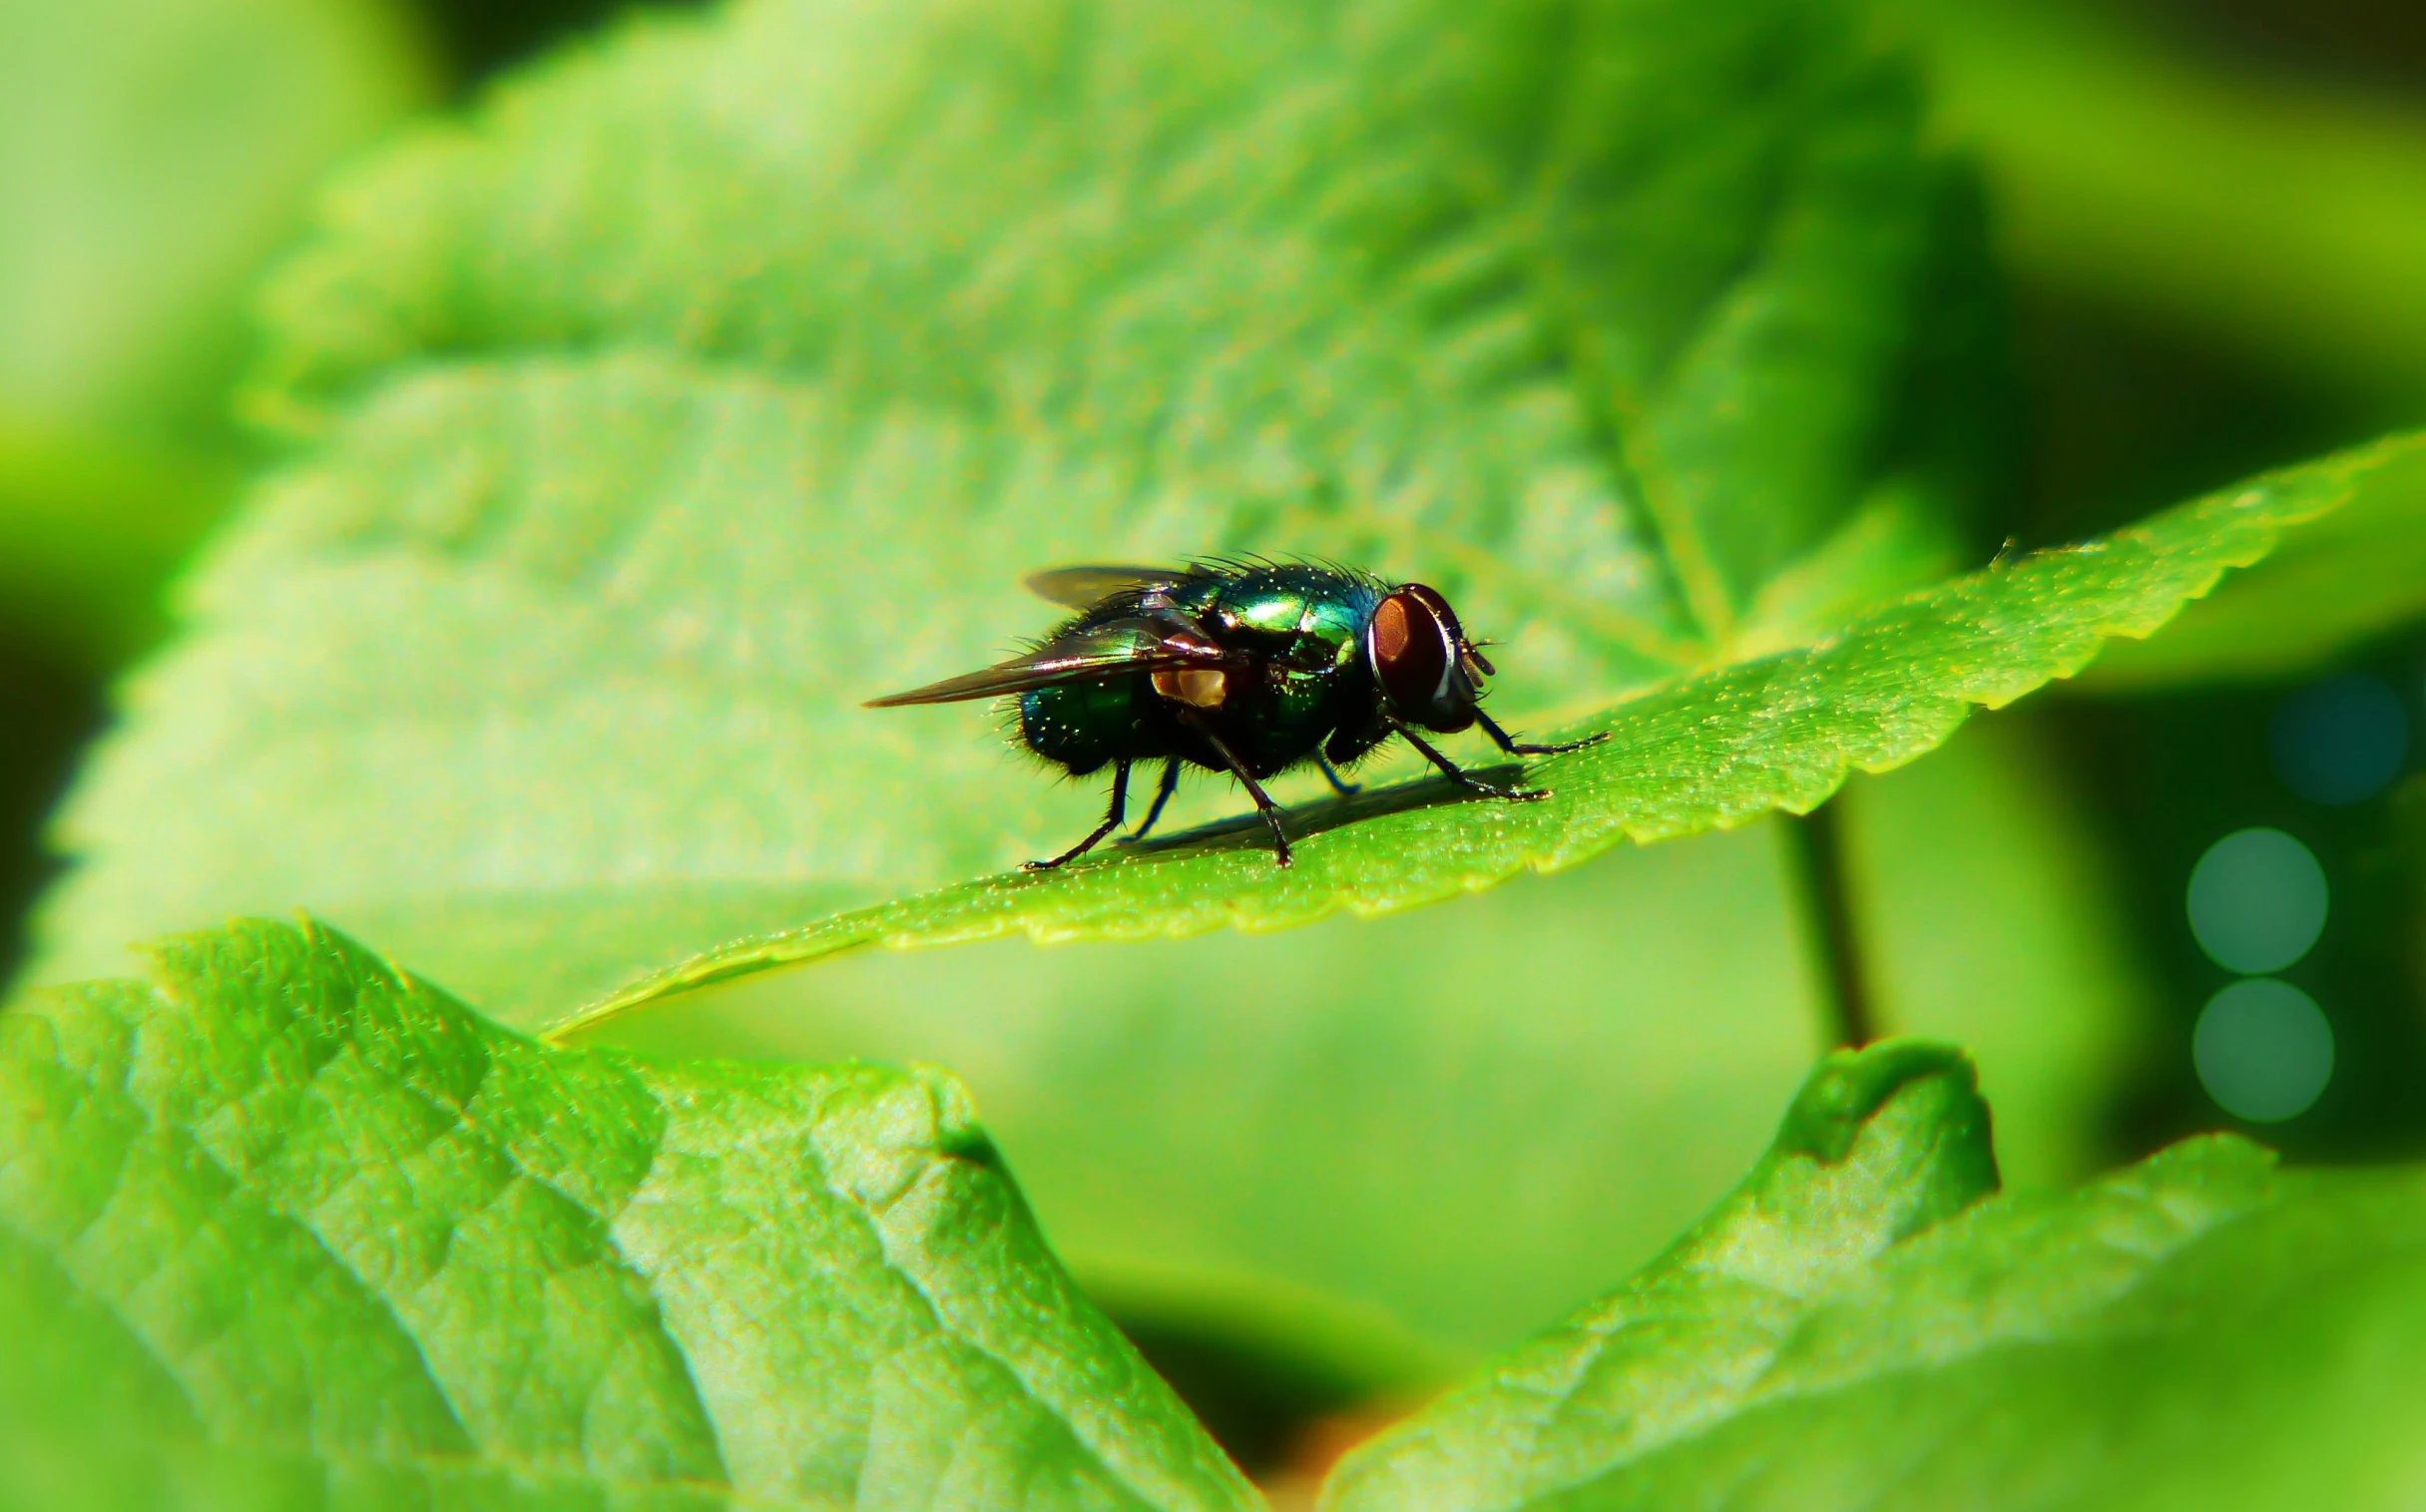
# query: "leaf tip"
{"type": "Point", "coordinates": [956, 1131]}
{"type": "Point", "coordinates": [1905, 1118]}
{"type": "Point", "coordinates": [1851, 1086]}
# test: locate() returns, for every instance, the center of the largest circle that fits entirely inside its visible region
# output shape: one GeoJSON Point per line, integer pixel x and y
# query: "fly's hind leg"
{"type": "Point", "coordinates": [1162, 794]}
{"type": "Point", "coordinates": [1513, 746]}
{"type": "Point", "coordinates": [1112, 821]}
{"type": "Point", "coordinates": [1255, 790]}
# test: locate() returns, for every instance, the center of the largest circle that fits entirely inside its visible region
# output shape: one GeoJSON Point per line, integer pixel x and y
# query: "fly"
{"type": "Point", "coordinates": [1249, 669]}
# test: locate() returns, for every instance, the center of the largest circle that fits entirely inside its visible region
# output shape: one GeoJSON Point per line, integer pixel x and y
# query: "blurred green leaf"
{"type": "Point", "coordinates": [2275, 211]}
{"type": "Point", "coordinates": [1708, 752]}
{"type": "Point", "coordinates": [717, 378]}
{"type": "Point", "coordinates": [2352, 576]}
{"type": "Point", "coordinates": [1857, 1327]}
{"type": "Point", "coordinates": [280, 1226]}
{"type": "Point", "coordinates": [157, 151]}
{"type": "Point", "coordinates": [1370, 1149]}
{"type": "Point", "coordinates": [1988, 917]}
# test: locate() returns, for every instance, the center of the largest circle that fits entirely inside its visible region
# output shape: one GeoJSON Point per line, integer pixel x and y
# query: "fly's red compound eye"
{"type": "Point", "coordinates": [1440, 609]}
{"type": "Point", "coordinates": [1417, 649]}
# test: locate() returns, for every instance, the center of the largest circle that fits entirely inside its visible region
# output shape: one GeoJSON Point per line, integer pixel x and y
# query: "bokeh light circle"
{"type": "Point", "coordinates": [2263, 1049]}
{"type": "Point", "coordinates": [2340, 741]}
{"type": "Point", "coordinates": [2256, 900]}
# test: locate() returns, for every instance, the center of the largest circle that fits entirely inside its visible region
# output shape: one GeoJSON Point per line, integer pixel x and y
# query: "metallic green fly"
{"type": "Point", "coordinates": [1245, 668]}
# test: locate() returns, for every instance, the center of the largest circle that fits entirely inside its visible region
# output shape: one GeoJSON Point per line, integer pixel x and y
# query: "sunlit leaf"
{"type": "Point", "coordinates": [1862, 1324]}
{"type": "Point", "coordinates": [282, 1228]}
{"type": "Point", "coordinates": [2354, 576]}
{"type": "Point", "coordinates": [1708, 752]}
{"type": "Point", "coordinates": [724, 375]}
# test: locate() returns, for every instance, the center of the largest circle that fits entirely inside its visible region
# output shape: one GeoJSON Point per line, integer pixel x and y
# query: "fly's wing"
{"type": "Point", "coordinates": [1086, 587]}
{"type": "Point", "coordinates": [1121, 645]}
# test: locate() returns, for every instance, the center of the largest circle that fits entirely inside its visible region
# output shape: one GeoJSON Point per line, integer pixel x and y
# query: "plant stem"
{"type": "Point", "coordinates": [1816, 840]}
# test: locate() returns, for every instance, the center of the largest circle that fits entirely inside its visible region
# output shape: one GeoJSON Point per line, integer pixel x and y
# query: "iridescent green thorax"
{"type": "Point", "coordinates": [1313, 618]}
{"type": "Point", "coordinates": [1300, 632]}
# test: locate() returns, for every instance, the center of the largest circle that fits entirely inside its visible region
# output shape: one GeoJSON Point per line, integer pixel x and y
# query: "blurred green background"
{"type": "Point", "coordinates": [2213, 220]}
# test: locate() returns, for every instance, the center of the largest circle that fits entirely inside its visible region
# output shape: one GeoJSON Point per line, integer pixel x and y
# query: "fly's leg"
{"type": "Point", "coordinates": [1162, 795]}
{"type": "Point", "coordinates": [1339, 784]}
{"type": "Point", "coordinates": [1112, 821]}
{"type": "Point", "coordinates": [1255, 790]}
{"type": "Point", "coordinates": [1460, 775]}
{"type": "Point", "coordinates": [1501, 739]}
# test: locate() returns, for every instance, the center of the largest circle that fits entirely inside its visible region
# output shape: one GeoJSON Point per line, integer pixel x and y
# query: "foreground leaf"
{"type": "Point", "coordinates": [728, 374]}
{"type": "Point", "coordinates": [1857, 1327]}
{"type": "Point", "coordinates": [1706, 753]}
{"type": "Point", "coordinates": [284, 1227]}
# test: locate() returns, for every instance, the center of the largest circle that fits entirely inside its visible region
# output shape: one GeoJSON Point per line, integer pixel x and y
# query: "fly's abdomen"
{"type": "Point", "coordinates": [1084, 724]}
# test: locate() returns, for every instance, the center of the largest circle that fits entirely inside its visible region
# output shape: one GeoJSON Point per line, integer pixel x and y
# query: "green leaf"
{"type": "Point", "coordinates": [157, 151]}
{"type": "Point", "coordinates": [1708, 752]}
{"type": "Point", "coordinates": [1987, 915]}
{"type": "Point", "coordinates": [1860, 1324]}
{"type": "Point", "coordinates": [2354, 576]}
{"type": "Point", "coordinates": [721, 376]}
{"type": "Point", "coordinates": [1373, 1150]}
{"type": "Point", "coordinates": [1390, 1146]}
{"type": "Point", "coordinates": [2271, 211]}
{"type": "Point", "coordinates": [281, 1227]}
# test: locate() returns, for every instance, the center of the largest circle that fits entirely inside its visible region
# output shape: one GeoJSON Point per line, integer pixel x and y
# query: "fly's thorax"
{"type": "Point", "coordinates": [1332, 633]}
{"type": "Point", "coordinates": [1258, 620]}
{"type": "Point", "coordinates": [1298, 699]}
{"type": "Point", "coordinates": [1307, 618]}
{"type": "Point", "coordinates": [1275, 716]}
{"type": "Point", "coordinates": [1266, 610]}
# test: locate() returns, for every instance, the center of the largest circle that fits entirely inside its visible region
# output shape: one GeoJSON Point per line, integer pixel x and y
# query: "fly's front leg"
{"type": "Point", "coordinates": [1501, 739]}
{"type": "Point", "coordinates": [1255, 790]}
{"type": "Point", "coordinates": [1112, 821]}
{"type": "Point", "coordinates": [1162, 795]}
{"type": "Point", "coordinates": [1460, 775]}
